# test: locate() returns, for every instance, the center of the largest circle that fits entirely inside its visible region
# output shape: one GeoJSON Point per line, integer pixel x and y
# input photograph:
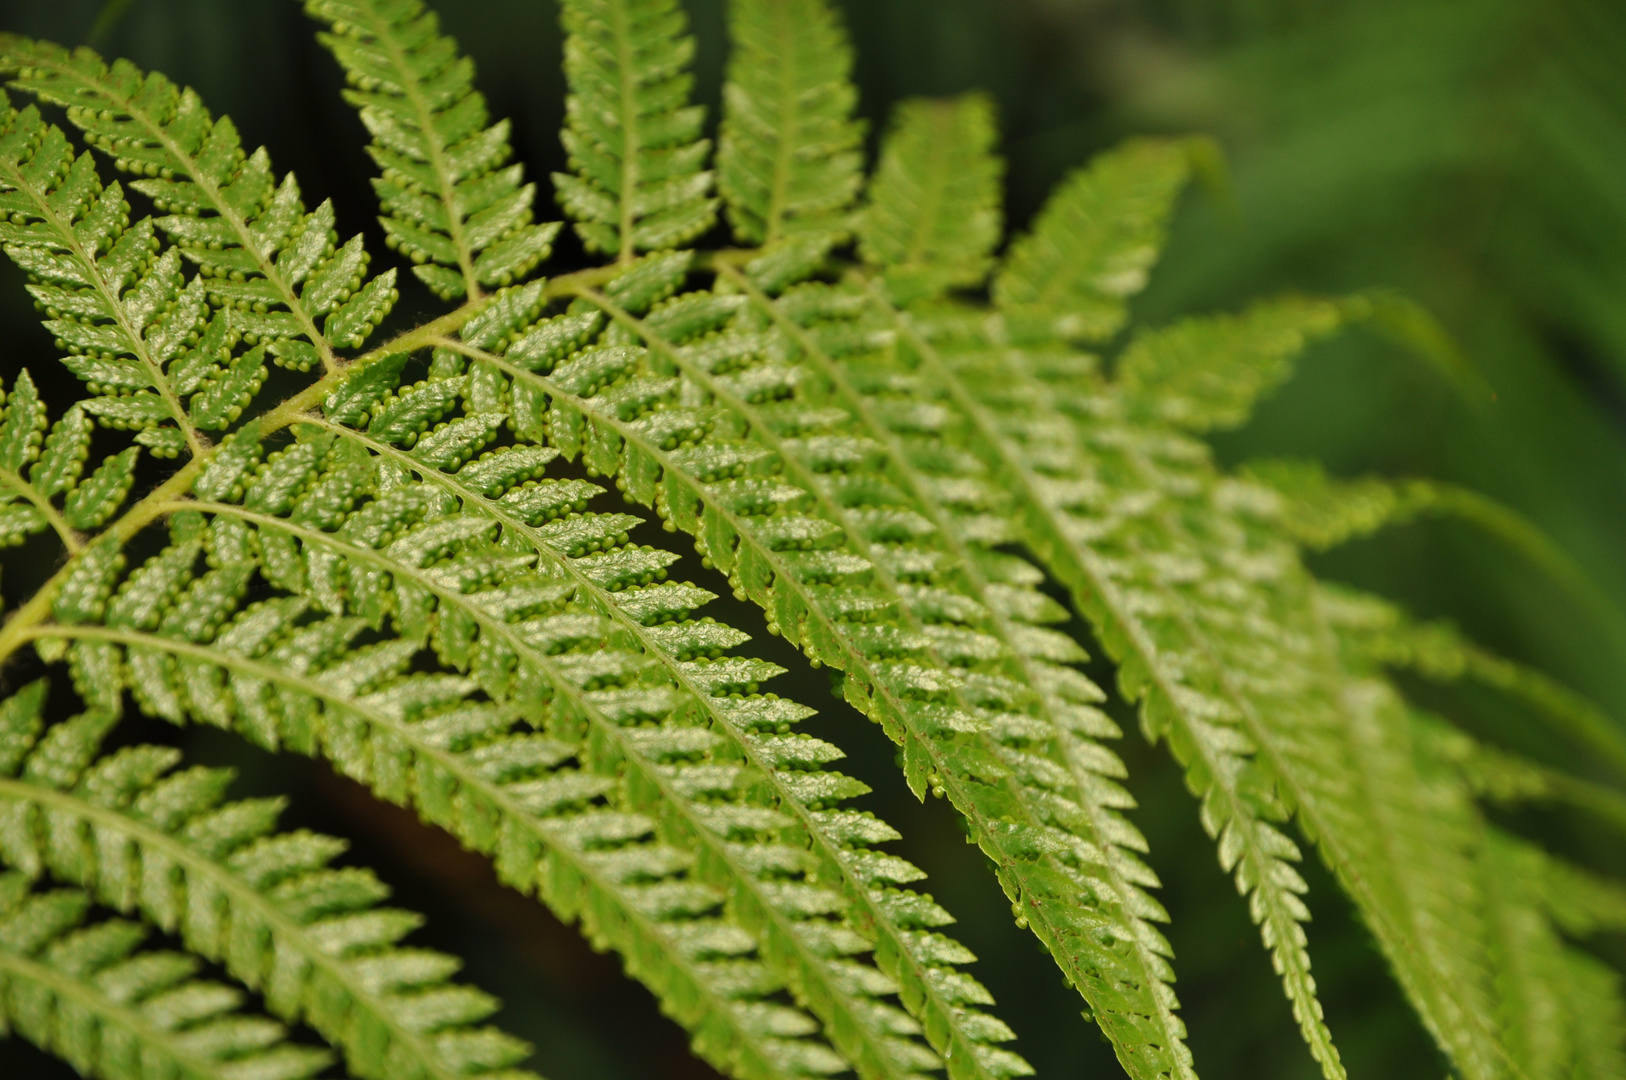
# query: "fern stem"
{"type": "Point", "coordinates": [69, 536]}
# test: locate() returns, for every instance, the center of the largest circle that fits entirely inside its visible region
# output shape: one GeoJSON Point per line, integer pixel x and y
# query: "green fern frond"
{"type": "Point", "coordinates": [1381, 633]}
{"type": "Point", "coordinates": [933, 209]}
{"type": "Point", "coordinates": [789, 157]}
{"type": "Point", "coordinates": [1203, 374]}
{"type": "Point", "coordinates": [289, 284]}
{"type": "Point", "coordinates": [91, 994]}
{"type": "Point", "coordinates": [1093, 244]}
{"type": "Point", "coordinates": [142, 838]}
{"type": "Point", "coordinates": [1322, 512]}
{"type": "Point", "coordinates": [136, 333]}
{"type": "Point", "coordinates": [796, 516]}
{"type": "Point", "coordinates": [635, 145]}
{"type": "Point", "coordinates": [449, 202]}
{"type": "Point", "coordinates": [678, 775]}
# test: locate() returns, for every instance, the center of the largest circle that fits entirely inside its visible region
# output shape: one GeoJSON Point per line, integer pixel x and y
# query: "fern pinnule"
{"type": "Point", "coordinates": [639, 181]}
{"type": "Point", "coordinates": [451, 203]}
{"type": "Point", "coordinates": [1093, 243]}
{"type": "Point", "coordinates": [89, 993]}
{"type": "Point", "coordinates": [312, 938]}
{"type": "Point", "coordinates": [932, 216]}
{"type": "Point", "coordinates": [789, 160]}
{"type": "Point", "coordinates": [281, 270]}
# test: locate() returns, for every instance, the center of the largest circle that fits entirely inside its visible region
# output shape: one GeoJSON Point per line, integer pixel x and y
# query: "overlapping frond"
{"type": "Point", "coordinates": [382, 572]}
{"type": "Point", "coordinates": [789, 160]}
{"type": "Point", "coordinates": [290, 285]}
{"type": "Point", "coordinates": [90, 993]}
{"type": "Point", "coordinates": [639, 181]}
{"type": "Point", "coordinates": [451, 202]}
{"type": "Point", "coordinates": [143, 838]}
{"type": "Point", "coordinates": [933, 212]}
{"type": "Point", "coordinates": [818, 510]}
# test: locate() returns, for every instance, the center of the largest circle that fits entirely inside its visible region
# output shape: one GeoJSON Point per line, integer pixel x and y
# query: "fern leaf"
{"type": "Point", "coordinates": [451, 204]}
{"type": "Point", "coordinates": [789, 158]}
{"type": "Point", "coordinates": [90, 994]}
{"type": "Point", "coordinates": [753, 525]}
{"type": "Point", "coordinates": [1321, 512]}
{"type": "Point", "coordinates": [141, 837]}
{"type": "Point", "coordinates": [1379, 632]}
{"type": "Point", "coordinates": [1203, 374]}
{"type": "Point", "coordinates": [639, 182]}
{"type": "Point", "coordinates": [379, 562]}
{"type": "Point", "coordinates": [257, 249]}
{"type": "Point", "coordinates": [864, 1030]}
{"type": "Point", "coordinates": [1093, 244]}
{"type": "Point", "coordinates": [122, 315]}
{"type": "Point", "coordinates": [933, 217]}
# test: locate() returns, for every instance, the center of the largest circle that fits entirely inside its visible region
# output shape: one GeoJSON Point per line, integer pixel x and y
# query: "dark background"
{"type": "Point", "coordinates": [1471, 153]}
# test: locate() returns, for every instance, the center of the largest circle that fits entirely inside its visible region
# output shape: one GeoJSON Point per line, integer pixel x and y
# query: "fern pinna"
{"type": "Point", "coordinates": [871, 422]}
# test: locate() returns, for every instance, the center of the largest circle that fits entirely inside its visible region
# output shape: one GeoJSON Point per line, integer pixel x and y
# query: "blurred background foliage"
{"type": "Point", "coordinates": [1469, 153]}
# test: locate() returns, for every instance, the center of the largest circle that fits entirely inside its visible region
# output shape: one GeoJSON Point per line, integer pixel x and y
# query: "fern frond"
{"type": "Point", "coordinates": [1093, 244]}
{"type": "Point", "coordinates": [91, 995]}
{"type": "Point", "coordinates": [796, 516]}
{"type": "Point", "coordinates": [449, 202]}
{"type": "Point", "coordinates": [143, 838]}
{"type": "Point", "coordinates": [1380, 632]}
{"type": "Point", "coordinates": [136, 333]}
{"type": "Point", "coordinates": [1206, 373]}
{"type": "Point", "coordinates": [864, 1029]}
{"type": "Point", "coordinates": [1322, 512]}
{"type": "Point", "coordinates": [685, 775]}
{"type": "Point", "coordinates": [933, 209]}
{"type": "Point", "coordinates": [290, 286]}
{"type": "Point", "coordinates": [789, 157]}
{"type": "Point", "coordinates": [639, 181]}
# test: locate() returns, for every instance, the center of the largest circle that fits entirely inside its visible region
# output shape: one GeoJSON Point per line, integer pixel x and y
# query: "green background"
{"type": "Point", "coordinates": [1471, 153]}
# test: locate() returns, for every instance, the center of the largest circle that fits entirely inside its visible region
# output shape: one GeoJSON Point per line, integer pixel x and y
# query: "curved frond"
{"type": "Point", "coordinates": [794, 510]}
{"type": "Point", "coordinates": [290, 284]}
{"type": "Point", "coordinates": [313, 939]}
{"type": "Point", "coordinates": [932, 214]}
{"type": "Point", "coordinates": [90, 994]}
{"type": "Point", "coordinates": [451, 202]}
{"type": "Point", "coordinates": [639, 181]}
{"type": "Point", "coordinates": [723, 772]}
{"type": "Point", "coordinates": [789, 157]}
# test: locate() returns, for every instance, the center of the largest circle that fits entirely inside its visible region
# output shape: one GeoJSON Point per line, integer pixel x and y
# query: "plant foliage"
{"type": "Point", "coordinates": [870, 423]}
